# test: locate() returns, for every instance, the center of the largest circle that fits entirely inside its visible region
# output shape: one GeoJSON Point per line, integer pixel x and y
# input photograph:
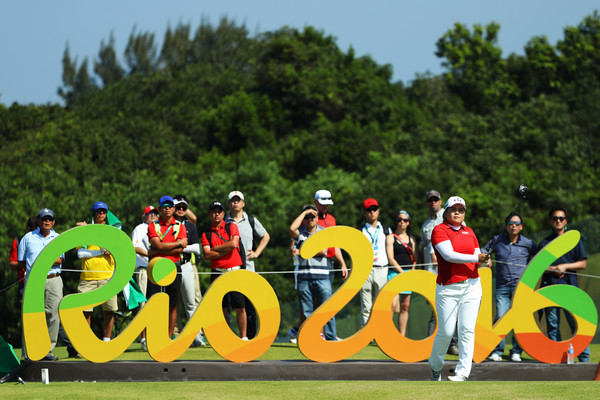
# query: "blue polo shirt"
{"type": "Point", "coordinates": [512, 258]}
{"type": "Point", "coordinates": [577, 253]}
{"type": "Point", "coordinates": [31, 245]}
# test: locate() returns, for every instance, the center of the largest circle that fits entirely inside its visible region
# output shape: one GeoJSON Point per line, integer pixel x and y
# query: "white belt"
{"type": "Point", "coordinates": [226, 269]}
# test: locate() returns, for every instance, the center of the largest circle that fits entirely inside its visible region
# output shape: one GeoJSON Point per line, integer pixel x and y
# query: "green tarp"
{"type": "Point", "coordinates": [8, 358]}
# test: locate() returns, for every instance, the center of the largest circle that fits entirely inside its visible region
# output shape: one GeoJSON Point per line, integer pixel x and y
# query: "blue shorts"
{"type": "Point", "coordinates": [392, 273]}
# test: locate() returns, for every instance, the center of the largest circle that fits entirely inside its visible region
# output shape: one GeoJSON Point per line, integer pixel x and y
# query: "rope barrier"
{"type": "Point", "coordinates": [8, 287]}
{"type": "Point", "coordinates": [548, 270]}
{"type": "Point", "coordinates": [406, 267]}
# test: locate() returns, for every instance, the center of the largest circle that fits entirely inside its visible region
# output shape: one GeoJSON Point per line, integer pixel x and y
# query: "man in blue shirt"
{"type": "Point", "coordinates": [513, 253]}
{"type": "Point", "coordinates": [563, 271]}
{"type": "Point", "coordinates": [30, 247]}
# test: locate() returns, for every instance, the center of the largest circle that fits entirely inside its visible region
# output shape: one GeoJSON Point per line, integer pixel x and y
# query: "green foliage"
{"type": "Point", "coordinates": [476, 70]}
{"type": "Point", "coordinates": [285, 113]}
{"type": "Point", "coordinates": [107, 66]}
{"type": "Point", "coordinates": [141, 53]}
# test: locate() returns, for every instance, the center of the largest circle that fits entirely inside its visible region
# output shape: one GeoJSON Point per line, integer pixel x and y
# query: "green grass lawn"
{"type": "Point", "coordinates": [346, 390]}
{"type": "Point", "coordinates": [364, 390]}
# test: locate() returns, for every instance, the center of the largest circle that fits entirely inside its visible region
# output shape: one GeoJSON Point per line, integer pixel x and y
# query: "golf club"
{"type": "Point", "coordinates": [523, 190]}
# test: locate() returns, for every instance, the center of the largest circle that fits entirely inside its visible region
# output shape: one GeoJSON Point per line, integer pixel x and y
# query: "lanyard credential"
{"type": "Point", "coordinates": [374, 241]}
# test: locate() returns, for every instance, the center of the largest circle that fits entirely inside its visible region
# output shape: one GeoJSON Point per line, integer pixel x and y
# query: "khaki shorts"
{"type": "Point", "coordinates": [88, 286]}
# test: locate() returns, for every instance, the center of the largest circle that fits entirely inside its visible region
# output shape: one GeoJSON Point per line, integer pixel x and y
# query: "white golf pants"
{"type": "Point", "coordinates": [456, 302]}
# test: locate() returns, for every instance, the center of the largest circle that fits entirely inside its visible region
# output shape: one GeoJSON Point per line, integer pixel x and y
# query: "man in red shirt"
{"type": "Point", "coordinates": [168, 238]}
{"type": "Point", "coordinates": [322, 202]}
{"type": "Point", "coordinates": [13, 258]}
{"type": "Point", "coordinates": [220, 245]}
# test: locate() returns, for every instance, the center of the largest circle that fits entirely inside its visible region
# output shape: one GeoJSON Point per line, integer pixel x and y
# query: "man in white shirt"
{"type": "Point", "coordinates": [434, 204]}
{"type": "Point", "coordinates": [382, 241]}
{"type": "Point", "coordinates": [249, 227]}
{"type": "Point", "coordinates": [139, 237]}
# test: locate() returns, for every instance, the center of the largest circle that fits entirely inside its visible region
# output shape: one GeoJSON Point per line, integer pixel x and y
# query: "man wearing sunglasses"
{"type": "Point", "coordinates": [97, 268]}
{"type": "Point", "coordinates": [382, 242]}
{"type": "Point", "coordinates": [513, 252]}
{"type": "Point", "coordinates": [168, 238]}
{"type": "Point", "coordinates": [322, 201]}
{"type": "Point", "coordinates": [562, 271]}
{"type": "Point", "coordinates": [433, 200]}
{"type": "Point", "coordinates": [30, 246]}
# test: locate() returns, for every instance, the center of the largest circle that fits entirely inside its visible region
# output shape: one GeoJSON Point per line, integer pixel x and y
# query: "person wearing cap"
{"type": "Point", "coordinates": [168, 238]}
{"type": "Point", "coordinates": [97, 267]}
{"type": "Point", "coordinates": [189, 272]}
{"type": "Point", "coordinates": [433, 200]}
{"type": "Point", "coordinates": [220, 245]}
{"type": "Point", "coordinates": [141, 244]}
{"type": "Point", "coordinates": [563, 271]}
{"type": "Point", "coordinates": [382, 242]}
{"type": "Point", "coordinates": [458, 290]}
{"type": "Point", "coordinates": [30, 246]}
{"type": "Point", "coordinates": [513, 251]}
{"type": "Point", "coordinates": [322, 201]}
{"type": "Point", "coordinates": [314, 286]}
{"type": "Point", "coordinates": [249, 227]}
{"type": "Point", "coordinates": [13, 257]}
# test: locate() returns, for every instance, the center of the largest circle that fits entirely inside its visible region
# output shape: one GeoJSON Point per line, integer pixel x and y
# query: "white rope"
{"type": "Point", "coordinates": [547, 270]}
{"type": "Point", "coordinates": [406, 267]}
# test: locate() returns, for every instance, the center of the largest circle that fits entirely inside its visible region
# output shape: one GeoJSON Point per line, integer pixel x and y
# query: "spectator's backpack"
{"type": "Point", "coordinates": [240, 247]}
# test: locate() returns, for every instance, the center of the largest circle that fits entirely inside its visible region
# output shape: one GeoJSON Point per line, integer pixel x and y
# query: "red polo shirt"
{"type": "Point", "coordinates": [463, 241]}
{"type": "Point", "coordinates": [220, 236]}
{"type": "Point", "coordinates": [326, 222]}
{"type": "Point", "coordinates": [167, 234]}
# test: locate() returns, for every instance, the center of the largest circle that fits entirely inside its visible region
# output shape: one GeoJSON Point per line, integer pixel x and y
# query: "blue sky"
{"type": "Point", "coordinates": [402, 33]}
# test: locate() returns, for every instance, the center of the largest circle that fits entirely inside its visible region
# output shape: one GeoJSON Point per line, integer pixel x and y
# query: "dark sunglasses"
{"type": "Point", "coordinates": [517, 223]}
{"type": "Point", "coordinates": [433, 199]}
{"type": "Point", "coordinates": [46, 219]}
{"type": "Point", "coordinates": [371, 209]}
{"type": "Point", "coordinates": [561, 219]}
{"type": "Point", "coordinates": [181, 207]}
{"type": "Point", "coordinates": [403, 220]}
{"type": "Point", "coordinates": [309, 217]}
{"type": "Point", "coordinates": [167, 205]}
{"type": "Point", "coordinates": [100, 211]}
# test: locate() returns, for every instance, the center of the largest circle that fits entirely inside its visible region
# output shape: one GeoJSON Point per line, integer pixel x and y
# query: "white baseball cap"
{"type": "Point", "coordinates": [235, 193]}
{"type": "Point", "coordinates": [323, 197]}
{"type": "Point", "coordinates": [455, 200]}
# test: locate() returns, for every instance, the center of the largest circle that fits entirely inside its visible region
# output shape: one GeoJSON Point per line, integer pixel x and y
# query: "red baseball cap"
{"type": "Point", "coordinates": [149, 209]}
{"type": "Point", "coordinates": [370, 203]}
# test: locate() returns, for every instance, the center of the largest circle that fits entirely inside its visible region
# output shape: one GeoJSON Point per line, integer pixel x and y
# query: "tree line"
{"type": "Point", "coordinates": [281, 114]}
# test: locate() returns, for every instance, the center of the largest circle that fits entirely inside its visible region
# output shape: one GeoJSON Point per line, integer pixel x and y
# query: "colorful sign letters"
{"type": "Point", "coordinates": [209, 316]}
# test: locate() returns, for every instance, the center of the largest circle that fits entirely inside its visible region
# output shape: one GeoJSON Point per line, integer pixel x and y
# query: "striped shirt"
{"type": "Point", "coordinates": [312, 268]}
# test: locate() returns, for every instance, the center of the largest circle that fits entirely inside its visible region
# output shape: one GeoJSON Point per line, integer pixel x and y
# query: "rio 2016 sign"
{"type": "Point", "coordinates": [209, 316]}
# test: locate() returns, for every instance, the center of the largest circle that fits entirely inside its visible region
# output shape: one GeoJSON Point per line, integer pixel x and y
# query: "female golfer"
{"type": "Point", "coordinates": [458, 290]}
{"type": "Point", "coordinates": [404, 254]}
